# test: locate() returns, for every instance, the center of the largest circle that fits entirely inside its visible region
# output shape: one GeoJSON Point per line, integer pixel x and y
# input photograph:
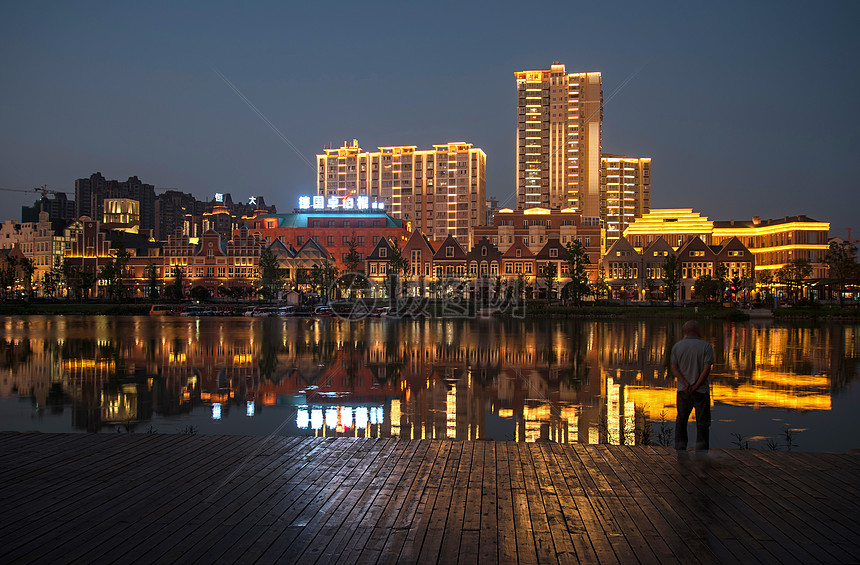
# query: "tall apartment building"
{"type": "Point", "coordinates": [625, 192]}
{"type": "Point", "coordinates": [90, 194]}
{"type": "Point", "coordinates": [439, 191]}
{"type": "Point", "coordinates": [58, 207]}
{"type": "Point", "coordinates": [559, 123]}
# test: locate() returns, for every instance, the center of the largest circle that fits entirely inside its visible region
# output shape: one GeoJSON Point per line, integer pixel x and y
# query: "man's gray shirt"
{"type": "Point", "coordinates": [692, 355]}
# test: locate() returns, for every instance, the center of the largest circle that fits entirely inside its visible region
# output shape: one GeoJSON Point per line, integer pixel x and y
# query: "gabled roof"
{"type": "Point", "coordinates": [525, 252]}
{"type": "Point", "coordinates": [279, 249]}
{"type": "Point", "coordinates": [459, 253]}
{"type": "Point", "coordinates": [552, 243]}
{"type": "Point", "coordinates": [419, 241]}
{"type": "Point", "coordinates": [658, 244]}
{"type": "Point", "coordinates": [621, 245]}
{"type": "Point", "coordinates": [311, 247]}
{"type": "Point", "coordinates": [694, 244]}
{"type": "Point", "coordinates": [375, 255]}
{"type": "Point", "coordinates": [493, 252]}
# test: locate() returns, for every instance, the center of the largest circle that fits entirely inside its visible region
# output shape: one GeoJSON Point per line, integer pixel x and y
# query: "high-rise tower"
{"type": "Point", "coordinates": [559, 121]}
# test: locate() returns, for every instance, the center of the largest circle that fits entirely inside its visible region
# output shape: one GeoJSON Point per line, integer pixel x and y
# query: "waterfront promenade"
{"type": "Point", "coordinates": [98, 498]}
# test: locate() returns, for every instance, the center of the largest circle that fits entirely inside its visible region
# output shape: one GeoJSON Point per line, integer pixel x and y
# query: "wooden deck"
{"type": "Point", "coordinates": [77, 498]}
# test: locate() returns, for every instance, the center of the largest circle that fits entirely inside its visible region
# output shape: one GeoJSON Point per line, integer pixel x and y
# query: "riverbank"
{"type": "Point", "coordinates": [442, 309]}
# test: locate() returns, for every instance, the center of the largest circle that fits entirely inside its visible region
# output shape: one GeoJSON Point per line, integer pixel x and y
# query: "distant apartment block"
{"type": "Point", "coordinates": [625, 192]}
{"type": "Point", "coordinates": [90, 194]}
{"type": "Point", "coordinates": [559, 121]}
{"type": "Point", "coordinates": [439, 191]}
{"type": "Point", "coordinates": [58, 207]}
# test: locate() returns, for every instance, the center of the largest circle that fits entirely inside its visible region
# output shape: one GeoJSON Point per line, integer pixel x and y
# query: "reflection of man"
{"type": "Point", "coordinates": [691, 361]}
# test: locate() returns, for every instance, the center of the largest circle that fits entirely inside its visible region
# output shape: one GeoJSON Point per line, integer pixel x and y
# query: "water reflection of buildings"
{"type": "Point", "coordinates": [465, 379]}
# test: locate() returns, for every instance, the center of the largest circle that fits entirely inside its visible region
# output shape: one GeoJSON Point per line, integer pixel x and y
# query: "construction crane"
{"type": "Point", "coordinates": [44, 190]}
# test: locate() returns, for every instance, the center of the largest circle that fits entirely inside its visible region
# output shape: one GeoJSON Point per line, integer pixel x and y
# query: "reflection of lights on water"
{"type": "Point", "coordinates": [338, 418]}
{"type": "Point", "coordinates": [249, 408]}
{"type": "Point", "coordinates": [316, 418]}
{"type": "Point", "coordinates": [216, 411]}
{"type": "Point", "coordinates": [303, 419]}
{"type": "Point", "coordinates": [361, 417]}
{"type": "Point", "coordinates": [331, 417]}
{"type": "Point", "coordinates": [346, 417]}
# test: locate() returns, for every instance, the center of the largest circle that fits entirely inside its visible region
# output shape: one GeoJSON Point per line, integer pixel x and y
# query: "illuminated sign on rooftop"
{"type": "Point", "coordinates": [339, 203]}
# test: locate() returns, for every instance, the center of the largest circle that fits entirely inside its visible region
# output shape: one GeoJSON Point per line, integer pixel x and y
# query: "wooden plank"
{"type": "Point", "coordinates": [537, 515]}
{"type": "Point", "coordinates": [488, 542]}
{"type": "Point", "coordinates": [435, 536]}
{"type": "Point", "coordinates": [506, 534]}
{"type": "Point", "coordinates": [453, 529]}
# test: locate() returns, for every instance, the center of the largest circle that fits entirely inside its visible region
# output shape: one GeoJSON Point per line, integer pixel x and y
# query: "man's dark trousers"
{"type": "Point", "coordinates": [701, 401]}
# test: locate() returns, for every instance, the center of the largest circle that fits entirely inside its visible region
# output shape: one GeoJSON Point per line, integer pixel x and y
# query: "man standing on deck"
{"type": "Point", "coordinates": [691, 361]}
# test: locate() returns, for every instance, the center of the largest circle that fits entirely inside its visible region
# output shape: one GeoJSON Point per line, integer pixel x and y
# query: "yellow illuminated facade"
{"type": "Point", "coordinates": [439, 191]}
{"type": "Point", "coordinates": [772, 242]}
{"type": "Point", "coordinates": [779, 241]}
{"type": "Point", "coordinates": [559, 128]}
{"type": "Point", "coordinates": [625, 192]}
{"type": "Point", "coordinates": [121, 214]}
{"type": "Point", "coordinates": [675, 225]}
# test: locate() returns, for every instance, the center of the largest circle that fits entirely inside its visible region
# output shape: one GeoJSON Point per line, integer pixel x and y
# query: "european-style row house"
{"type": "Point", "coordinates": [642, 275]}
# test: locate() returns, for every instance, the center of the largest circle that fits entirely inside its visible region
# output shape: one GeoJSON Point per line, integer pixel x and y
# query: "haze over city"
{"type": "Point", "coordinates": [744, 109]}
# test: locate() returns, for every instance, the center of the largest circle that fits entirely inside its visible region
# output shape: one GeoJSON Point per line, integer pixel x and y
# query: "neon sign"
{"type": "Point", "coordinates": [319, 202]}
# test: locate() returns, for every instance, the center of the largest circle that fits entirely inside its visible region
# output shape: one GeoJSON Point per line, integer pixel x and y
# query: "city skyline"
{"type": "Point", "coordinates": [158, 94]}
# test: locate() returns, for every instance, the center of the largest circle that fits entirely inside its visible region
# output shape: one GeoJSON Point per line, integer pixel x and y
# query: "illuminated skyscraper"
{"type": "Point", "coordinates": [438, 192]}
{"type": "Point", "coordinates": [559, 120]}
{"type": "Point", "coordinates": [625, 192]}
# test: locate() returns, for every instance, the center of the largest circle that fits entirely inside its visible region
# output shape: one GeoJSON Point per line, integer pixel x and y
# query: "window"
{"type": "Point", "coordinates": [330, 241]}
{"type": "Point", "coordinates": [553, 252]}
{"type": "Point", "coordinates": [300, 240]}
{"type": "Point", "coordinates": [519, 253]}
{"type": "Point", "coordinates": [373, 268]}
{"type": "Point", "coordinates": [345, 240]}
{"type": "Point", "coordinates": [483, 252]}
{"type": "Point", "coordinates": [528, 268]}
{"type": "Point", "coordinates": [383, 252]}
{"type": "Point", "coordinates": [449, 251]}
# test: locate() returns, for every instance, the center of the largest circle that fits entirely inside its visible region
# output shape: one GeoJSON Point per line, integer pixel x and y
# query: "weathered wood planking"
{"type": "Point", "coordinates": [74, 498]}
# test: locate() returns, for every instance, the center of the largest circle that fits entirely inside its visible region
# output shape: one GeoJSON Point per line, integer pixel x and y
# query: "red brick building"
{"type": "Point", "coordinates": [332, 230]}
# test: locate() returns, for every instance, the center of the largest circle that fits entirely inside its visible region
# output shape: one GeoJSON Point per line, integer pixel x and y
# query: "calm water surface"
{"type": "Point", "coordinates": [565, 380]}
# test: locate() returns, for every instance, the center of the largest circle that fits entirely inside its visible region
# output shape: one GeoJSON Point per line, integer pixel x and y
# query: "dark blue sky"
{"type": "Point", "coordinates": [745, 108]}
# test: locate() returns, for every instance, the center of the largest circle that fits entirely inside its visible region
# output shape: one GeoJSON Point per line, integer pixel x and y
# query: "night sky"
{"type": "Point", "coordinates": [745, 108]}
